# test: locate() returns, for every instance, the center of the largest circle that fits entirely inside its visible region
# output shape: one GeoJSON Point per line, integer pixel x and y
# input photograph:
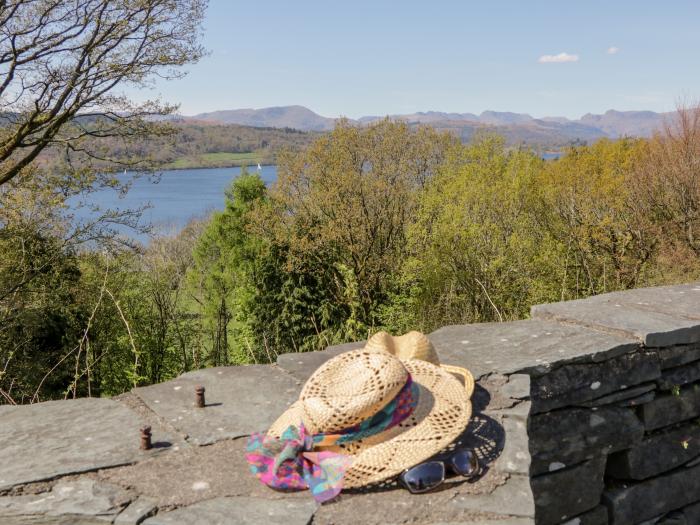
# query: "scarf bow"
{"type": "Point", "coordinates": [289, 463]}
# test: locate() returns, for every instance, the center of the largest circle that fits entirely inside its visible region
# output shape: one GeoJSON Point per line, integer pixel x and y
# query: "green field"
{"type": "Point", "coordinates": [217, 160]}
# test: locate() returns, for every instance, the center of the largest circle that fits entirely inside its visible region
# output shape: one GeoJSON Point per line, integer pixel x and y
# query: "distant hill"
{"type": "Point", "coordinates": [426, 117]}
{"type": "Point", "coordinates": [612, 124]}
{"type": "Point", "coordinates": [516, 127]}
{"type": "Point", "coordinates": [621, 123]}
{"type": "Point", "coordinates": [297, 117]}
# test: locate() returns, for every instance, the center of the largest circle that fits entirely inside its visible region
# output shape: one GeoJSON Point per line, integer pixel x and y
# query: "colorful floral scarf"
{"type": "Point", "coordinates": [289, 463]}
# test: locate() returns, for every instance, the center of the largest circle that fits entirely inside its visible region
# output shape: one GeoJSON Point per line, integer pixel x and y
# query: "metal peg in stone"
{"type": "Point", "coordinates": [199, 396]}
{"type": "Point", "coordinates": [146, 438]}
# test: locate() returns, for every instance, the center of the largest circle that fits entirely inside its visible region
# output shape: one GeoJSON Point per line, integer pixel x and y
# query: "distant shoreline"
{"type": "Point", "coordinates": [163, 168]}
{"type": "Point", "coordinates": [253, 167]}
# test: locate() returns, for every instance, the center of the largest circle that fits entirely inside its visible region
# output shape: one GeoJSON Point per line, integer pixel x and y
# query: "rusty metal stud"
{"type": "Point", "coordinates": [146, 438]}
{"type": "Point", "coordinates": [199, 396]}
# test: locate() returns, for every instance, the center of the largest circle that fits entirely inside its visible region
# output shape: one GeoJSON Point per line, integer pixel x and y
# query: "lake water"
{"type": "Point", "coordinates": [552, 155]}
{"type": "Point", "coordinates": [175, 196]}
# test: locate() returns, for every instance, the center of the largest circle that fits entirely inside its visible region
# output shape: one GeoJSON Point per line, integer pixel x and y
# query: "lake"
{"type": "Point", "coordinates": [176, 196]}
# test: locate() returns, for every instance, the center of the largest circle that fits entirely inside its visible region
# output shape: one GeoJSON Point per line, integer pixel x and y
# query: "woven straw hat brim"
{"type": "Point", "coordinates": [442, 414]}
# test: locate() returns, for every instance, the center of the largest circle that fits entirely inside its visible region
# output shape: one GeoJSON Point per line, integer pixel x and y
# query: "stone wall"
{"type": "Point", "coordinates": [586, 414]}
{"type": "Point", "coordinates": [614, 420]}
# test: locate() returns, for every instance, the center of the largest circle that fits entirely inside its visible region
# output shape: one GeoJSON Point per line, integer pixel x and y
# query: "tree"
{"type": "Point", "coordinates": [38, 317]}
{"type": "Point", "coordinates": [477, 251]}
{"type": "Point", "coordinates": [669, 179]}
{"type": "Point", "coordinates": [223, 260]}
{"type": "Point", "coordinates": [610, 241]}
{"type": "Point", "coordinates": [343, 206]}
{"type": "Point", "coordinates": [62, 62]}
{"type": "Point", "coordinates": [63, 68]}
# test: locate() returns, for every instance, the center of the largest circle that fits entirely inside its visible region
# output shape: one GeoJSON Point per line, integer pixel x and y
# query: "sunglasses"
{"type": "Point", "coordinates": [431, 474]}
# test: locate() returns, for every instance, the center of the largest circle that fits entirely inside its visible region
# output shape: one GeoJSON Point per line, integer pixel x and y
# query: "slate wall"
{"type": "Point", "coordinates": [634, 448]}
{"type": "Point", "coordinates": [586, 414]}
{"type": "Point", "coordinates": [613, 427]}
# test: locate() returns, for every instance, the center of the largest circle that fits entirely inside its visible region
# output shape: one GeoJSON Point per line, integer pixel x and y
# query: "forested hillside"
{"type": "Point", "coordinates": [195, 145]}
{"type": "Point", "coordinates": [368, 228]}
{"type": "Point", "coordinates": [212, 142]}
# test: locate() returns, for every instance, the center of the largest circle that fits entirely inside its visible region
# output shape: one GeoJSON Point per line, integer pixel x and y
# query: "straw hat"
{"type": "Point", "coordinates": [355, 385]}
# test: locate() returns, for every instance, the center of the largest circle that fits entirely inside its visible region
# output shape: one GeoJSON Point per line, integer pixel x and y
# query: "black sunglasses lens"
{"type": "Point", "coordinates": [465, 463]}
{"type": "Point", "coordinates": [424, 477]}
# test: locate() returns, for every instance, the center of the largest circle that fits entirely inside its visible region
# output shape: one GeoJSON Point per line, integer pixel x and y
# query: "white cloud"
{"type": "Point", "coordinates": [561, 57]}
{"type": "Point", "coordinates": [613, 50]}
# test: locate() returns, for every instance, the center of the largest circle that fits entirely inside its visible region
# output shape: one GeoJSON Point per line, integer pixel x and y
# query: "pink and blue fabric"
{"type": "Point", "coordinates": [290, 463]}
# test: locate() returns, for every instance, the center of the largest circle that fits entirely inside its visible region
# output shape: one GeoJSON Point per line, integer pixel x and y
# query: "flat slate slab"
{"type": "Point", "coordinates": [596, 516]}
{"type": "Point", "coordinates": [682, 300]}
{"type": "Point", "coordinates": [628, 397]}
{"type": "Point", "coordinates": [678, 355]}
{"type": "Point", "coordinates": [655, 497]}
{"type": "Point", "coordinates": [574, 384]}
{"type": "Point", "coordinates": [493, 499]}
{"type": "Point", "coordinates": [241, 510]}
{"type": "Point", "coordinates": [55, 520]}
{"type": "Point", "coordinates": [583, 487]}
{"type": "Point", "coordinates": [565, 437]}
{"type": "Point", "coordinates": [137, 511]}
{"type": "Point", "coordinates": [195, 474]}
{"type": "Point", "coordinates": [689, 515]}
{"type": "Point", "coordinates": [515, 456]}
{"type": "Point", "coordinates": [669, 409]}
{"type": "Point", "coordinates": [81, 497]}
{"type": "Point", "coordinates": [530, 346]}
{"type": "Point", "coordinates": [661, 316]}
{"type": "Point", "coordinates": [240, 400]}
{"type": "Point", "coordinates": [513, 499]}
{"type": "Point", "coordinates": [657, 453]}
{"type": "Point", "coordinates": [680, 375]}
{"type": "Point", "coordinates": [46, 440]}
{"type": "Point", "coordinates": [302, 364]}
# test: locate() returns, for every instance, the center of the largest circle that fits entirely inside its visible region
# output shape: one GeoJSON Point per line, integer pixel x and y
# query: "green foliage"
{"type": "Point", "coordinates": [193, 145]}
{"type": "Point", "coordinates": [224, 260]}
{"type": "Point", "coordinates": [38, 312]}
{"type": "Point", "coordinates": [214, 160]}
{"type": "Point", "coordinates": [609, 238]}
{"type": "Point", "coordinates": [342, 210]}
{"type": "Point", "coordinates": [381, 227]}
{"type": "Point", "coordinates": [479, 252]}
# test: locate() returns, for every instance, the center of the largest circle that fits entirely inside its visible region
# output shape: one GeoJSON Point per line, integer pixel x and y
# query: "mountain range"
{"type": "Point", "coordinates": [516, 127]}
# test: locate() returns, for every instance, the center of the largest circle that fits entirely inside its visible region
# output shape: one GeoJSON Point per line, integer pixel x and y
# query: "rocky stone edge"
{"type": "Point", "coordinates": [584, 414]}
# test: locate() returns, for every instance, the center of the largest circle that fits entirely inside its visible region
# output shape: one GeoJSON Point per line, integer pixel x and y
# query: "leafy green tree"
{"type": "Point", "coordinates": [341, 210]}
{"type": "Point", "coordinates": [590, 196]}
{"type": "Point", "coordinates": [39, 317]}
{"type": "Point", "coordinates": [478, 251]}
{"type": "Point", "coordinates": [222, 262]}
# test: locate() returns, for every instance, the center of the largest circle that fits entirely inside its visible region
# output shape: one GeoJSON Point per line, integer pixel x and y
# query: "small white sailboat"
{"type": "Point", "coordinates": [259, 166]}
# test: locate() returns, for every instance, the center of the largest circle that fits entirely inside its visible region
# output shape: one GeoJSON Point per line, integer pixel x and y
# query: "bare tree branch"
{"type": "Point", "coordinates": [62, 61]}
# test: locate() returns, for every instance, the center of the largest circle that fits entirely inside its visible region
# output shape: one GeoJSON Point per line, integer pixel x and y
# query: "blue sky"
{"type": "Point", "coordinates": [377, 57]}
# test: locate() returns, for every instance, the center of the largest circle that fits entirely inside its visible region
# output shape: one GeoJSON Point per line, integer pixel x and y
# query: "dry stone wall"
{"type": "Point", "coordinates": [614, 422]}
{"type": "Point", "coordinates": [586, 414]}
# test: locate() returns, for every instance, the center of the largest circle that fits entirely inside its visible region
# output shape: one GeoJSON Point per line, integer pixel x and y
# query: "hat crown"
{"type": "Point", "coordinates": [412, 345]}
{"type": "Point", "coordinates": [350, 388]}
